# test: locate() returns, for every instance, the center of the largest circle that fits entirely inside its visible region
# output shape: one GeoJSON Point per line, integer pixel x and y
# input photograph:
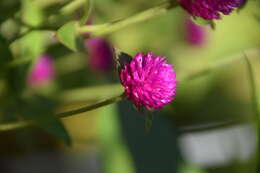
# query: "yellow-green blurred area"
{"type": "Point", "coordinates": [208, 128]}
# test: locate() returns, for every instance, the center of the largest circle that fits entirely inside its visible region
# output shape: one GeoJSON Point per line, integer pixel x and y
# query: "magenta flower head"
{"type": "Point", "coordinates": [195, 35]}
{"type": "Point", "coordinates": [100, 54]}
{"type": "Point", "coordinates": [149, 81]}
{"type": "Point", "coordinates": [209, 9]}
{"type": "Point", "coordinates": [42, 72]}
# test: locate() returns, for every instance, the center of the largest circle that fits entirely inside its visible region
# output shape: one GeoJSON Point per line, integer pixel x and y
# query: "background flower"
{"type": "Point", "coordinates": [209, 9]}
{"type": "Point", "coordinates": [194, 34]}
{"type": "Point", "coordinates": [42, 72]}
{"type": "Point", "coordinates": [100, 54]}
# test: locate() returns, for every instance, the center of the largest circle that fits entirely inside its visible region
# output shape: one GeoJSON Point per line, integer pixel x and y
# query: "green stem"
{"type": "Point", "coordinates": [72, 7]}
{"type": "Point", "coordinates": [218, 65]}
{"type": "Point", "coordinates": [255, 108]}
{"type": "Point", "coordinates": [92, 93]}
{"type": "Point", "coordinates": [23, 124]}
{"type": "Point", "coordinates": [87, 11]}
{"type": "Point", "coordinates": [21, 35]}
{"type": "Point", "coordinates": [107, 28]}
{"type": "Point", "coordinates": [91, 107]}
{"type": "Point", "coordinates": [204, 127]}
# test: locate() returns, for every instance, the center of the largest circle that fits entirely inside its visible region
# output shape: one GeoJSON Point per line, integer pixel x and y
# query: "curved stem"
{"type": "Point", "coordinates": [253, 53]}
{"type": "Point", "coordinates": [72, 7]}
{"type": "Point", "coordinates": [210, 126]}
{"type": "Point", "coordinates": [22, 124]}
{"type": "Point", "coordinates": [19, 36]}
{"type": "Point", "coordinates": [107, 28]}
{"type": "Point", "coordinates": [91, 107]}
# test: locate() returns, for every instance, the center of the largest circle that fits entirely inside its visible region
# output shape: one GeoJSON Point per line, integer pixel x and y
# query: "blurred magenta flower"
{"type": "Point", "coordinates": [209, 9]}
{"type": "Point", "coordinates": [100, 54]}
{"type": "Point", "coordinates": [149, 81]}
{"type": "Point", "coordinates": [42, 72]}
{"type": "Point", "coordinates": [195, 35]}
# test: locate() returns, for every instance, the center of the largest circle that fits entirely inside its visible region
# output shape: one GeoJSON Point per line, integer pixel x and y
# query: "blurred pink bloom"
{"type": "Point", "coordinates": [194, 34]}
{"type": "Point", "coordinates": [149, 81]}
{"type": "Point", "coordinates": [42, 72]}
{"type": "Point", "coordinates": [100, 54]}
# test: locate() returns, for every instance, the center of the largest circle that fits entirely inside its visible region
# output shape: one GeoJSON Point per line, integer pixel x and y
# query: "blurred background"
{"type": "Point", "coordinates": [208, 128]}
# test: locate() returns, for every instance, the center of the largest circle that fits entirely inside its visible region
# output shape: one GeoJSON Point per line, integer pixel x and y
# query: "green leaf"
{"type": "Point", "coordinates": [243, 5]}
{"type": "Point", "coordinates": [86, 12]}
{"type": "Point", "coordinates": [201, 21]}
{"type": "Point", "coordinates": [6, 55]}
{"type": "Point", "coordinates": [32, 14]}
{"type": "Point", "coordinates": [68, 36]}
{"type": "Point", "coordinates": [8, 8]}
{"type": "Point", "coordinates": [33, 44]}
{"type": "Point", "coordinates": [56, 128]}
{"type": "Point", "coordinates": [40, 108]}
{"type": "Point", "coordinates": [13, 76]}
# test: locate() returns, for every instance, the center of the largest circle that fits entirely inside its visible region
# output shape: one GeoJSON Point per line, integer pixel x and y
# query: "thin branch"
{"type": "Point", "coordinates": [91, 107]}
{"type": "Point", "coordinates": [210, 126]}
{"type": "Point", "coordinates": [254, 52]}
{"type": "Point", "coordinates": [103, 29]}
{"type": "Point", "coordinates": [23, 124]}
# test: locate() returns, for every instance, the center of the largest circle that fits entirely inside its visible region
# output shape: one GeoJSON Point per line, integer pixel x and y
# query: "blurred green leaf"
{"type": "Point", "coordinates": [68, 36]}
{"type": "Point", "coordinates": [8, 9]}
{"type": "Point", "coordinates": [41, 108]}
{"type": "Point", "coordinates": [201, 21]}
{"type": "Point", "coordinates": [32, 43]}
{"type": "Point", "coordinates": [32, 14]}
{"type": "Point", "coordinates": [86, 12]}
{"type": "Point", "coordinates": [12, 76]}
{"type": "Point", "coordinates": [6, 55]}
{"type": "Point", "coordinates": [187, 168]}
{"type": "Point", "coordinates": [117, 158]}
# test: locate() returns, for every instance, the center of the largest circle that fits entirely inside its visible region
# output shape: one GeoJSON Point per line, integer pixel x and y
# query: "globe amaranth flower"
{"type": "Point", "coordinates": [209, 9]}
{"type": "Point", "coordinates": [149, 81]}
{"type": "Point", "coordinates": [42, 72]}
